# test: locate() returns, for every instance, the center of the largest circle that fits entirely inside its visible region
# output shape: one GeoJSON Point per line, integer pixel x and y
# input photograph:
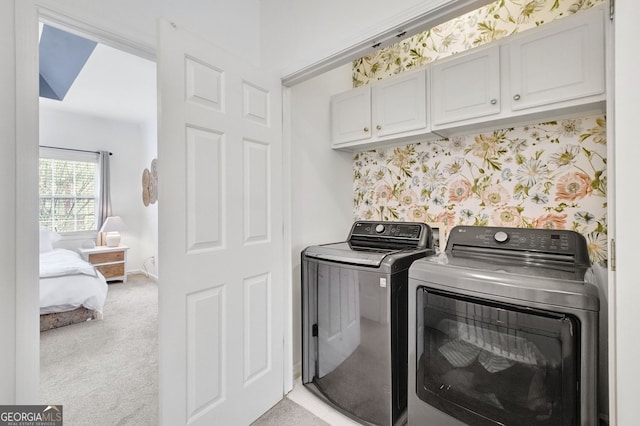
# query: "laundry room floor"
{"type": "Point", "coordinates": [307, 409]}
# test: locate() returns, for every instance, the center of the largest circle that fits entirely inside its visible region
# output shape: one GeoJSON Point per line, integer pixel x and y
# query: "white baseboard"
{"type": "Point", "coordinates": [140, 271]}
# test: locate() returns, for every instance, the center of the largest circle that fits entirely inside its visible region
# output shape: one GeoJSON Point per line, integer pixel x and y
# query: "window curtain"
{"type": "Point", "coordinates": [104, 206]}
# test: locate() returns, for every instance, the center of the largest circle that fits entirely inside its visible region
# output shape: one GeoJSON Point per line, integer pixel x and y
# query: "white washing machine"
{"type": "Point", "coordinates": [503, 330]}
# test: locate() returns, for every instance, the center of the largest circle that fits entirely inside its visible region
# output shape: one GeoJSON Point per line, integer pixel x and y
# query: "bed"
{"type": "Point", "coordinates": [71, 289]}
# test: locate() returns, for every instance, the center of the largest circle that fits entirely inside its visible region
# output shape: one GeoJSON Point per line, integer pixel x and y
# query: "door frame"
{"type": "Point", "coordinates": [28, 15]}
{"type": "Point", "coordinates": [27, 139]}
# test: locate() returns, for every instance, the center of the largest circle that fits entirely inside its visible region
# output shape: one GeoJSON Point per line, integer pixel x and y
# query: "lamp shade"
{"type": "Point", "coordinates": [112, 226]}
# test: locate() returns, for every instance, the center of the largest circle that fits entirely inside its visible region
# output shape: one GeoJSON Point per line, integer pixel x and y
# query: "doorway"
{"type": "Point", "coordinates": [110, 106]}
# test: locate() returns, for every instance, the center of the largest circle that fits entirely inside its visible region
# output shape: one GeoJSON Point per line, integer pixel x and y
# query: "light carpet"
{"type": "Point", "coordinates": [105, 372]}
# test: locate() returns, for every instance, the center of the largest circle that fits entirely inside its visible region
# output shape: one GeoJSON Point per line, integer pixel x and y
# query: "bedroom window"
{"type": "Point", "coordinates": [69, 190]}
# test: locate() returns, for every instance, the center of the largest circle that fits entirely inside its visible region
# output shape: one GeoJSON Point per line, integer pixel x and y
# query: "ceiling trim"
{"type": "Point", "coordinates": [415, 20]}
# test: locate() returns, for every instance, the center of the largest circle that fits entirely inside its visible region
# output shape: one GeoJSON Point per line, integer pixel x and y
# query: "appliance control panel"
{"type": "Point", "coordinates": [549, 241]}
{"type": "Point", "coordinates": [388, 229]}
{"type": "Point", "coordinates": [391, 235]}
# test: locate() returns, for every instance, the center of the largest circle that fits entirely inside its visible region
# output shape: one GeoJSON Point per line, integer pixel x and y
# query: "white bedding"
{"type": "Point", "coordinates": [68, 282]}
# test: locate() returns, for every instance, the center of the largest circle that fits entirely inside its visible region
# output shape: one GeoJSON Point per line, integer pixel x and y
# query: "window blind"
{"type": "Point", "coordinates": [68, 190]}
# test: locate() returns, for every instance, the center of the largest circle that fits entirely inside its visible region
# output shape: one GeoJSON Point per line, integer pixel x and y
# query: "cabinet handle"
{"type": "Point", "coordinates": [366, 129]}
{"type": "Point", "coordinates": [516, 97]}
{"type": "Point", "coordinates": [379, 127]}
{"type": "Point", "coordinates": [494, 101]}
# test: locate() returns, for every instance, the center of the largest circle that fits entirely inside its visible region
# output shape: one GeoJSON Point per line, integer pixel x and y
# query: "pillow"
{"type": "Point", "coordinates": [47, 238]}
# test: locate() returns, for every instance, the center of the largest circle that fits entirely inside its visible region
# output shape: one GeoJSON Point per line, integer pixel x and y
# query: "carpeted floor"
{"type": "Point", "coordinates": [105, 372]}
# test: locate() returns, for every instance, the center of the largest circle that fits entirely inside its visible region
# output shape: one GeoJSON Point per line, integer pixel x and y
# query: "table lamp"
{"type": "Point", "coordinates": [112, 226]}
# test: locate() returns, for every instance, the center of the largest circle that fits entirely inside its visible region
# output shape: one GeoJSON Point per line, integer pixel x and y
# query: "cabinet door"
{"type": "Point", "coordinates": [351, 115]}
{"type": "Point", "coordinates": [559, 63]}
{"type": "Point", "coordinates": [466, 87]}
{"type": "Point", "coordinates": [400, 104]}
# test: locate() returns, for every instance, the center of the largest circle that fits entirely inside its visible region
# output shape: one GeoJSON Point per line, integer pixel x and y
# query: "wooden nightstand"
{"type": "Point", "coordinates": [110, 261]}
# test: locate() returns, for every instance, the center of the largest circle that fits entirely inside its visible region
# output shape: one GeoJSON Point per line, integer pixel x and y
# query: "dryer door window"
{"type": "Point", "coordinates": [489, 363]}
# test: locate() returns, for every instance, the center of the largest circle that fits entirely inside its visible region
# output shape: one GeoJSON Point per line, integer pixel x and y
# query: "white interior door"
{"type": "Point", "coordinates": [220, 223]}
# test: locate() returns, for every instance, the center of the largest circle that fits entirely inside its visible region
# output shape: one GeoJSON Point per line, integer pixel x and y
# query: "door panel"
{"type": "Point", "coordinates": [205, 319]}
{"type": "Point", "coordinates": [257, 359]}
{"type": "Point", "coordinates": [204, 85]}
{"type": "Point", "coordinates": [205, 171]}
{"type": "Point", "coordinates": [257, 191]}
{"type": "Point", "coordinates": [220, 221]}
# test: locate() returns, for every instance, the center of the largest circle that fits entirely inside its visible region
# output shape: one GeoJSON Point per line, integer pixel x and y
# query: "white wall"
{"type": "Point", "coordinates": [284, 35]}
{"type": "Point", "coordinates": [298, 33]}
{"type": "Point", "coordinates": [627, 206]}
{"type": "Point", "coordinates": [321, 191]}
{"type": "Point", "coordinates": [149, 226]}
{"type": "Point", "coordinates": [234, 25]}
{"type": "Point", "coordinates": [133, 147]}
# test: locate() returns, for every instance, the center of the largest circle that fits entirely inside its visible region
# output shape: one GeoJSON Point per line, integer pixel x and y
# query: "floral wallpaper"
{"type": "Point", "coordinates": [489, 23]}
{"type": "Point", "coordinates": [549, 175]}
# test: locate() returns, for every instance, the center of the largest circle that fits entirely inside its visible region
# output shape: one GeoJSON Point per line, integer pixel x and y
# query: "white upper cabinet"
{"type": "Point", "coordinates": [393, 109]}
{"type": "Point", "coordinates": [545, 73]}
{"type": "Point", "coordinates": [555, 70]}
{"type": "Point", "coordinates": [466, 87]}
{"type": "Point", "coordinates": [400, 104]}
{"type": "Point", "coordinates": [561, 61]}
{"type": "Point", "coordinates": [351, 115]}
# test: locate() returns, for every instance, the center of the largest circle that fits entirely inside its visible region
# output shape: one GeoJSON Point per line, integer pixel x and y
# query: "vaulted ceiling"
{"type": "Point", "coordinates": [85, 77]}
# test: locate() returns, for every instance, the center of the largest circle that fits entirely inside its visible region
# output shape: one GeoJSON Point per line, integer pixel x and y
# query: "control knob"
{"type": "Point", "coordinates": [379, 228]}
{"type": "Point", "coordinates": [501, 237]}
